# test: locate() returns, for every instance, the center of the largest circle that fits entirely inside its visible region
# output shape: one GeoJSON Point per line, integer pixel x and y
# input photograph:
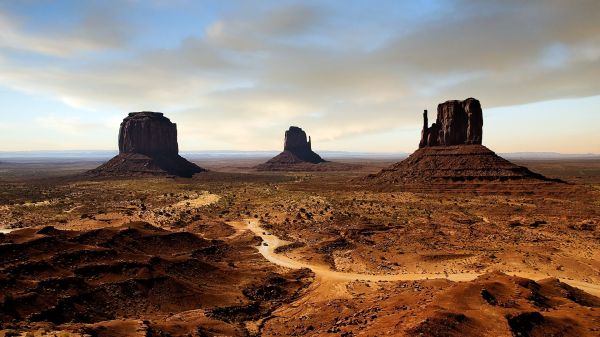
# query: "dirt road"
{"type": "Point", "coordinates": [272, 241]}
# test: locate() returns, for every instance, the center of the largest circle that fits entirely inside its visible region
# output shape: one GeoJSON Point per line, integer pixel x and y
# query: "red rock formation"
{"type": "Point", "coordinates": [450, 152]}
{"type": "Point", "coordinates": [148, 133]}
{"type": "Point", "coordinates": [458, 122]}
{"type": "Point", "coordinates": [296, 143]}
{"type": "Point", "coordinates": [297, 154]}
{"type": "Point", "coordinates": [456, 163]}
{"type": "Point", "coordinates": [147, 146]}
{"type": "Point", "coordinates": [474, 113]}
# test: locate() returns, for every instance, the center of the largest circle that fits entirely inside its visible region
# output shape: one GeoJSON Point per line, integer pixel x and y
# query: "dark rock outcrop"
{"type": "Point", "coordinates": [457, 123]}
{"type": "Point", "coordinates": [297, 155]}
{"type": "Point", "coordinates": [147, 146]}
{"type": "Point", "coordinates": [450, 153]}
{"type": "Point", "coordinates": [149, 133]}
{"type": "Point", "coordinates": [297, 144]}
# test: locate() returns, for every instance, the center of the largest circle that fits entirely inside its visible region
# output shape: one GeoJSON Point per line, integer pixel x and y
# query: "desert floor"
{"type": "Point", "coordinates": [239, 252]}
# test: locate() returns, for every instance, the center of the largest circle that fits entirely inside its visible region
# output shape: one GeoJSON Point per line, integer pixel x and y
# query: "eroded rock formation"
{"type": "Point", "coordinates": [297, 155]}
{"type": "Point", "coordinates": [457, 123]}
{"type": "Point", "coordinates": [149, 133]}
{"type": "Point", "coordinates": [147, 145]}
{"type": "Point", "coordinates": [454, 164]}
{"type": "Point", "coordinates": [297, 144]}
{"type": "Point", "coordinates": [450, 152]}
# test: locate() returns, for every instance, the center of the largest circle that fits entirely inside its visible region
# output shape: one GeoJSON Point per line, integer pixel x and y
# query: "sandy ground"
{"type": "Point", "coordinates": [301, 254]}
{"type": "Point", "coordinates": [272, 242]}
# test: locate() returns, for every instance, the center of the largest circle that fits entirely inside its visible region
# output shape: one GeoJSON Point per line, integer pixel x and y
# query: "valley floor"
{"type": "Point", "coordinates": [238, 252]}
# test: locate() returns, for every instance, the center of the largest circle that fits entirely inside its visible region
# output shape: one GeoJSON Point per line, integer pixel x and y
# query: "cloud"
{"type": "Point", "coordinates": [338, 72]}
{"type": "Point", "coordinates": [70, 125]}
{"type": "Point", "coordinates": [290, 20]}
{"type": "Point", "coordinates": [95, 30]}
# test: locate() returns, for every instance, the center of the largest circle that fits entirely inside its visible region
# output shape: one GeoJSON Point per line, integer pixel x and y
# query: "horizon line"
{"type": "Point", "coordinates": [258, 151]}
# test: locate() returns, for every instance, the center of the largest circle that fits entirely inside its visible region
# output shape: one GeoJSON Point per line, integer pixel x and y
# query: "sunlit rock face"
{"type": "Point", "coordinates": [457, 123]}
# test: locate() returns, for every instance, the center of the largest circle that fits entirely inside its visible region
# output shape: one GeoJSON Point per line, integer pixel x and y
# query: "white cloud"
{"type": "Point", "coordinates": [255, 72]}
{"type": "Point", "coordinates": [96, 30]}
{"type": "Point", "coordinates": [69, 125]}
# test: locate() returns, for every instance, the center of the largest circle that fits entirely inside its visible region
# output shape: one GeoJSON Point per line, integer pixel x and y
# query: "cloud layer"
{"type": "Point", "coordinates": [338, 70]}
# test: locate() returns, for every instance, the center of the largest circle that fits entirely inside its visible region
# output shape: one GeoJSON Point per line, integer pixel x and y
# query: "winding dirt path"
{"type": "Point", "coordinates": [325, 273]}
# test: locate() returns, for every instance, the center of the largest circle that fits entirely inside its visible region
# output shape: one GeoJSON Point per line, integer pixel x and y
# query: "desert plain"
{"type": "Point", "coordinates": [239, 252]}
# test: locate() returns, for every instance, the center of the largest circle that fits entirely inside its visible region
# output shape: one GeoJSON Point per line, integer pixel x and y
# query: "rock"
{"type": "Point", "coordinates": [457, 123]}
{"type": "Point", "coordinates": [475, 121]}
{"type": "Point", "coordinates": [297, 144]}
{"type": "Point", "coordinates": [149, 133]}
{"type": "Point", "coordinates": [454, 164]}
{"type": "Point", "coordinates": [521, 324]}
{"type": "Point", "coordinates": [450, 152]}
{"type": "Point", "coordinates": [147, 146]}
{"type": "Point", "coordinates": [298, 155]}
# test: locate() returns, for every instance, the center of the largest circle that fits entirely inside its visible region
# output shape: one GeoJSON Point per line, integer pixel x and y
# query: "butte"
{"type": "Point", "coordinates": [298, 155]}
{"type": "Point", "coordinates": [450, 155]}
{"type": "Point", "coordinates": [147, 146]}
{"type": "Point", "coordinates": [297, 152]}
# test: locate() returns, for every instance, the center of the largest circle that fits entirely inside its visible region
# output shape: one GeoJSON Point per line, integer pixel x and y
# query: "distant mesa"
{"type": "Point", "coordinates": [149, 133]}
{"type": "Point", "coordinates": [298, 146]}
{"type": "Point", "coordinates": [147, 146]}
{"type": "Point", "coordinates": [297, 150]}
{"type": "Point", "coordinates": [450, 152]}
{"type": "Point", "coordinates": [298, 155]}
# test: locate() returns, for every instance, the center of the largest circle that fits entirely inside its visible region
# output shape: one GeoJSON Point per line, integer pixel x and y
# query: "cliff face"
{"type": "Point", "coordinates": [147, 146]}
{"type": "Point", "coordinates": [295, 140]}
{"type": "Point", "coordinates": [299, 146]}
{"type": "Point", "coordinates": [148, 133]}
{"type": "Point", "coordinates": [457, 123]}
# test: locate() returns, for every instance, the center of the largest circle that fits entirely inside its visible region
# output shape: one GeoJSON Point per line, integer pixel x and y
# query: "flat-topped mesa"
{"type": "Point", "coordinates": [457, 123]}
{"type": "Point", "coordinates": [296, 142]}
{"type": "Point", "coordinates": [147, 146]}
{"type": "Point", "coordinates": [148, 133]}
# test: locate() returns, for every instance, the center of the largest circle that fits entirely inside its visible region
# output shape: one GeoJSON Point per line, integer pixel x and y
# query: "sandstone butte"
{"type": "Point", "coordinates": [451, 151]}
{"type": "Point", "coordinates": [147, 146]}
{"type": "Point", "coordinates": [297, 153]}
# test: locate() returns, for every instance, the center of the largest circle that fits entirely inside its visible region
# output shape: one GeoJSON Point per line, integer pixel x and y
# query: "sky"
{"type": "Point", "coordinates": [356, 75]}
